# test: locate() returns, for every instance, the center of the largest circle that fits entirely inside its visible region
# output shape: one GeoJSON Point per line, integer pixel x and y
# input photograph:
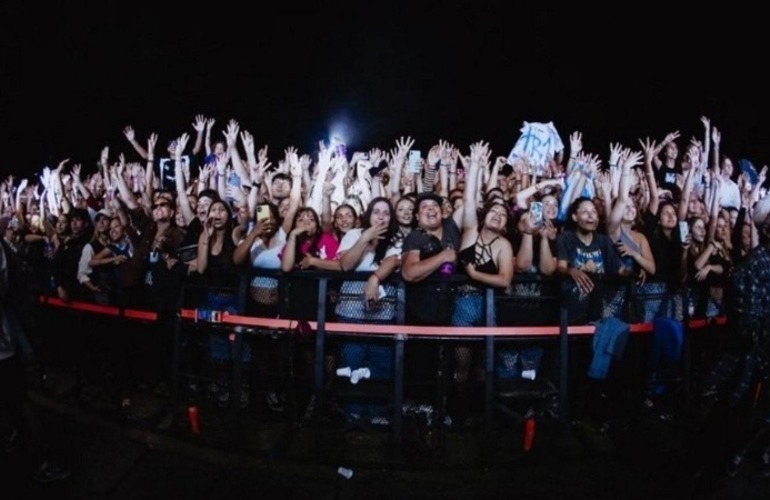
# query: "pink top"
{"type": "Point", "coordinates": [327, 247]}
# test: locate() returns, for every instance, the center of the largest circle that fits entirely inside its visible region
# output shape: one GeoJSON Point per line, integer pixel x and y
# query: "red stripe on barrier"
{"type": "Point", "coordinates": [83, 306]}
{"type": "Point", "coordinates": [364, 329]}
{"type": "Point", "coordinates": [144, 315]}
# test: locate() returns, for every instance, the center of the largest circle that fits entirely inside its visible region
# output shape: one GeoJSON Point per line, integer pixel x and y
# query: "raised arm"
{"type": "Point", "coordinates": [318, 197]}
{"type": "Point", "coordinates": [231, 135]}
{"type": "Point", "coordinates": [469, 221]}
{"type": "Point", "coordinates": [628, 160]}
{"type": "Point", "coordinates": [648, 148]}
{"type": "Point", "coordinates": [77, 183]}
{"type": "Point", "coordinates": [198, 125]}
{"type": "Point", "coordinates": [130, 134]}
{"type": "Point", "coordinates": [295, 194]}
{"type": "Point", "coordinates": [181, 188]}
{"type": "Point", "coordinates": [207, 142]}
{"type": "Point", "coordinates": [671, 137]}
{"type": "Point", "coordinates": [716, 188]}
{"type": "Point", "coordinates": [397, 165]}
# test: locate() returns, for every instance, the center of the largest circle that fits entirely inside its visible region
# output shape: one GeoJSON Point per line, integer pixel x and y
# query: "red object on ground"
{"type": "Point", "coordinates": [192, 413]}
{"type": "Point", "coordinates": [529, 433]}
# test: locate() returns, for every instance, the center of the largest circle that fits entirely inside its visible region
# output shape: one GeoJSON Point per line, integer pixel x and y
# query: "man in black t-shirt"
{"type": "Point", "coordinates": [426, 249]}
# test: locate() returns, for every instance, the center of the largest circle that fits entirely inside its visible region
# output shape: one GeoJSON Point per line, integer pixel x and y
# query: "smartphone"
{"type": "Point", "coordinates": [415, 162]}
{"type": "Point", "coordinates": [536, 207]}
{"type": "Point", "coordinates": [263, 212]}
{"type": "Point", "coordinates": [684, 230]}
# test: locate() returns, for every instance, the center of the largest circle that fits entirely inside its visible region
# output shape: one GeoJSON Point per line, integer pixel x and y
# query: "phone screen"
{"type": "Point", "coordinates": [414, 162]}
{"type": "Point", "coordinates": [263, 212]}
{"type": "Point", "coordinates": [537, 212]}
{"type": "Point", "coordinates": [684, 230]}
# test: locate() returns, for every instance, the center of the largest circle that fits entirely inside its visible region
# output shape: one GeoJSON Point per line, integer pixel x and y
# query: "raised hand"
{"type": "Point", "coordinates": [248, 142]}
{"type": "Point", "coordinates": [615, 150]}
{"type": "Point", "coordinates": [603, 183]}
{"type": "Point", "coordinates": [295, 169]}
{"type": "Point", "coordinates": [57, 170]}
{"type": "Point", "coordinates": [205, 172]}
{"type": "Point", "coordinates": [181, 143]}
{"type": "Point", "coordinates": [262, 156]}
{"type": "Point", "coordinates": [151, 142]}
{"type": "Point", "coordinates": [445, 152]}
{"type": "Point", "coordinates": [575, 143]}
{"type": "Point", "coordinates": [632, 159]}
{"type": "Point", "coordinates": [648, 148]}
{"type": "Point", "coordinates": [304, 162]}
{"type": "Point", "coordinates": [671, 137]}
{"type": "Point", "coordinates": [200, 123]}
{"type": "Point", "coordinates": [706, 122]}
{"type": "Point", "coordinates": [593, 162]}
{"type": "Point", "coordinates": [231, 133]}
{"type": "Point", "coordinates": [403, 145]}
{"type": "Point", "coordinates": [128, 131]}
{"type": "Point", "coordinates": [434, 156]}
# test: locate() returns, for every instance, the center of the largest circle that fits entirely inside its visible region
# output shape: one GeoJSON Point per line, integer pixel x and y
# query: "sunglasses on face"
{"type": "Point", "coordinates": [160, 204]}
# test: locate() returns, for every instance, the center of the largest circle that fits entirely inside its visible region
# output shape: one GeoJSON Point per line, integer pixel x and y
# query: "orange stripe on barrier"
{"type": "Point", "coordinates": [364, 329]}
{"type": "Point", "coordinates": [435, 331]}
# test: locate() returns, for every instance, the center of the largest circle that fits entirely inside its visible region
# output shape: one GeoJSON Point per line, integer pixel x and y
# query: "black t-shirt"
{"type": "Point", "coordinates": [427, 301]}
{"type": "Point", "coordinates": [666, 178]}
{"type": "Point", "coordinates": [667, 252]}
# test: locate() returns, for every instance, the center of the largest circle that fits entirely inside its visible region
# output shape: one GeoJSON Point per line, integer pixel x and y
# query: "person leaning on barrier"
{"type": "Point", "coordinates": [426, 248]}
{"type": "Point", "coordinates": [485, 256]}
{"type": "Point", "coordinates": [584, 254]}
{"type": "Point", "coordinates": [370, 248]}
{"type": "Point", "coordinates": [67, 258]}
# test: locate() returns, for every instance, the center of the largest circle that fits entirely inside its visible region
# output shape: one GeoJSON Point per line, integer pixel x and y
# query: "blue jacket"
{"type": "Point", "coordinates": [609, 342]}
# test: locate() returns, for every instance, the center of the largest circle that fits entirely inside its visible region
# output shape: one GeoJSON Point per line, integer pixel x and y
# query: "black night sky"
{"type": "Point", "coordinates": [462, 71]}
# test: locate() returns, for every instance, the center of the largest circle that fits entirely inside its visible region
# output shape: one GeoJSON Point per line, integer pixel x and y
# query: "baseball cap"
{"type": "Point", "coordinates": [102, 213]}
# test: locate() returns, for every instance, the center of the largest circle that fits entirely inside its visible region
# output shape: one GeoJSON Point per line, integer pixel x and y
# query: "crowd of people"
{"type": "Point", "coordinates": [203, 207]}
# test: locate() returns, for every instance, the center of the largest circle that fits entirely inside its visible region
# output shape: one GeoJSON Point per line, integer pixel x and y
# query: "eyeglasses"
{"type": "Point", "coordinates": [160, 204]}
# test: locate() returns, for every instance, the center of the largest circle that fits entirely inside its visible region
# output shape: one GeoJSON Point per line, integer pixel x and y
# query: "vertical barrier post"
{"type": "Point", "coordinates": [323, 283]}
{"type": "Point", "coordinates": [687, 347]}
{"type": "Point", "coordinates": [489, 362]}
{"type": "Point", "coordinates": [398, 376]}
{"type": "Point", "coordinates": [176, 353]}
{"type": "Point", "coordinates": [563, 363]}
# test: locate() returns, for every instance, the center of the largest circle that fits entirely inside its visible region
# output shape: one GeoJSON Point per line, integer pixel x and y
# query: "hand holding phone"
{"type": "Point", "coordinates": [263, 212]}
{"type": "Point", "coordinates": [684, 231]}
{"type": "Point", "coordinates": [537, 213]}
